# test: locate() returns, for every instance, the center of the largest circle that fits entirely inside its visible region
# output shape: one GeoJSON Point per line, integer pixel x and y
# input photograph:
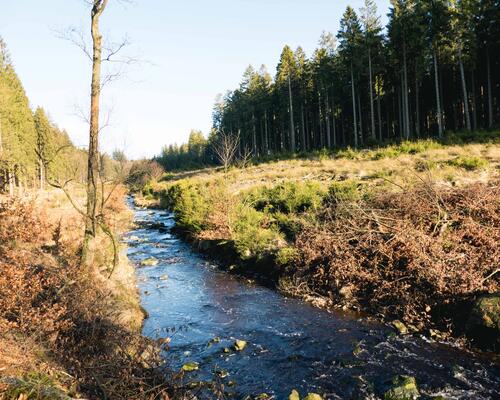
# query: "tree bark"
{"type": "Point", "coordinates": [379, 112]}
{"type": "Point", "coordinates": [490, 94]}
{"type": "Point", "coordinates": [292, 125]}
{"type": "Point", "coordinates": [303, 129]}
{"type": "Point", "coordinates": [417, 107]}
{"type": "Point", "coordinates": [438, 100]}
{"type": "Point", "coordinates": [254, 135]}
{"type": "Point", "coordinates": [320, 123]}
{"type": "Point", "coordinates": [327, 119]}
{"type": "Point", "coordinates": [266, 135]}
{"type": "Point", "coordinates": [360, 120]}
{"type": "Point", "coordinates": [464, 90]}
{"type": "Point", "coordinates": [41, 167]}
{"type": "Point", "coordinates": [372, 112]}
{"type": "Point", "coordinates": [406, 108]}
{"type": "Point", "coordinates": [473, 101]}
{"type": "Point", "coordinates": [93, 151]}
{"type": "Point", "coordinates": [354, 109]}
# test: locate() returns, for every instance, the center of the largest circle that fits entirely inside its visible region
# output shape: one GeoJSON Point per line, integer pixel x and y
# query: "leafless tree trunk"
{"type": "Point", "coordinates": [93, 151]}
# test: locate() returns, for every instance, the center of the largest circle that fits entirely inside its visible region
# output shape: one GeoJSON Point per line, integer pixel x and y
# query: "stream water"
{"type": "Point", "coordinates": [291, 345]}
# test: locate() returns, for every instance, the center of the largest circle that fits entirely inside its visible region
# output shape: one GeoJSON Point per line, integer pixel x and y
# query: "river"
{"type": "Point", "coordinates": [291, 345]}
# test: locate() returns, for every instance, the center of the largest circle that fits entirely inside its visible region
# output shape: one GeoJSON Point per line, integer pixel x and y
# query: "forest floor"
{"type": "Point", "coordinates": [67, 330]}
{"type": "Point", "coordinates": [408, 233]}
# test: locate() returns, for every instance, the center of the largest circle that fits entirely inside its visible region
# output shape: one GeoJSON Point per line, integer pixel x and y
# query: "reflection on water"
{"type": "Point", "coordinates": [291, 345]}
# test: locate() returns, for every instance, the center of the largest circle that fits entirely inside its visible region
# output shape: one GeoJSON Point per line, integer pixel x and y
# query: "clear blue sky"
{"type": "Point", "coordinates": [194, 50]}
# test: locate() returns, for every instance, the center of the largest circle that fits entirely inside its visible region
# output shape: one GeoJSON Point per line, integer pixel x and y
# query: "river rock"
{"type": "Point", "coordinates": [402, 329]}
{"type": "Point", "coordinates": [294, 395]}
{"type": "Point", "coordinates": [149, 262]}
{"type": "Point", "coordinates": [240, 345]}
{"type": "Point", "coordinates": [483, 325]}
{"type": "Point", "coordinates": [313, 396]}
{"type": "Point", "coordinates": [403, 388]}
{"type": "Point", "coordinates": [190, 366]}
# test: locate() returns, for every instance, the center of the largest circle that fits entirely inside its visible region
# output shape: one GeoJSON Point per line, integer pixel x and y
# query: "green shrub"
{"type": "Point", "coordinates": [191, 204]}
{"type": "Point", "coordinates": [252, 234]}
{"type": "Point", "coordinates": [469, 163]}
{"type": "Point", "coordinates": [348, 153]}
{"type": "Point", "coordinates": [472, 137]}
{"type": "Point", "coordinates": [425, 165]}
{"type": "Point", "coordinates": [386, 152]}
{"type": "Point", "coordinates": [419, 146]}
{"type": "Point", "coordinates": [288, 224]}
{"type": "Point", "coordinates": [344, 191]}
{"type": "Point", "coordinates": [286, 256]}
{"type": "Point", "coordinates": [288, 197]}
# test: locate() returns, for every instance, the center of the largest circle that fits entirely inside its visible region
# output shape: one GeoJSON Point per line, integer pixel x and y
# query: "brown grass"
{"type": "Point", "coordinates": [416, 255]}
{"type": "Point", "coordinates": [65, 320]}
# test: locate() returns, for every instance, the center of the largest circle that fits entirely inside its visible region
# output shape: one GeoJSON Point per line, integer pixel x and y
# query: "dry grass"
{"type": "Point", "coordinates": [68, 324]}
{"type": "Point", "coordinates": [400, 169]}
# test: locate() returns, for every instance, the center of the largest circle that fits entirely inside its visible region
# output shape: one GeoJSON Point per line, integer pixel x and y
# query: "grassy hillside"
{"type": "Point", "coordinates": [404, 232]}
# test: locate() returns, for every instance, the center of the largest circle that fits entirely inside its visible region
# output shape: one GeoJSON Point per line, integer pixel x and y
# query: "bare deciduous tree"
{"type": "Point", "coordinates": [225, 148]}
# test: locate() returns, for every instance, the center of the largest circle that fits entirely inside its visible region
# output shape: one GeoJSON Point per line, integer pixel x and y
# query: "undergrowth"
{"type": "Point", "coordinates": [48, 298]}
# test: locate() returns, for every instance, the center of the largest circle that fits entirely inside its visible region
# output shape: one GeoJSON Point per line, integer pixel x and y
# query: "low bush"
{"type": "Point", "coordinates": [253, 234]}
{"type": "Point", "coordinates": [288, 197]}
{"type": "Point", "coordinates": [471, 163]}
{"type": "Point", "coordinates": [191, 204]}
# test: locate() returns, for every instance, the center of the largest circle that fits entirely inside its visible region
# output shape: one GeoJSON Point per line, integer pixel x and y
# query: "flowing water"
{"type": "Point", "coordinates": [291, 345]}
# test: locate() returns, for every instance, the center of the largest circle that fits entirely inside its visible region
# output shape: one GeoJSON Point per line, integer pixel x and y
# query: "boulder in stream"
{"type": "Point", "coordinates": [483, 325]}
{"type": "Point", "coordinates": [402, 329]}
{"type": "Point", "coordinates": [239, 345]}
{"type": "Point", "coordinates": [294, 395]}
{"type": "Point", "coordinates": [403, 388]}
{"type": "Point", "coordinates": [190, 366]}
{"type": "Point", "coordinates": [313, 396]}
{"type": "Point", "coordinates": [149, 262]}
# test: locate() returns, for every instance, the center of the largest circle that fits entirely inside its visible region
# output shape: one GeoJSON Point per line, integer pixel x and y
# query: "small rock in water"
{"type": "Point", "coordinates": [262, 396]}
{"type": "Point", "coordinates": [402, 329]}
{"type": "Point", "coordinates": [403, 388]}
{"type": "Point", "coordinates": [313, 396]}
{"type": "Point", "coordinates": [190, 366]}
{"type": "Point", "coordinates": [240, 345]}
{"type": "Point", "coordinates": [164, 277]}
{"type": "Point", "coordinates": [149, 262]}
{"type": "Point", "coordinates": [294, 395]}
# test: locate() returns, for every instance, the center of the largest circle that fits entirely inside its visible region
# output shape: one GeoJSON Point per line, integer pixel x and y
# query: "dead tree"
{"type": "Point", "coordinates": [225, 148]}
{"type": "Point", "coordinates": [98, 8]}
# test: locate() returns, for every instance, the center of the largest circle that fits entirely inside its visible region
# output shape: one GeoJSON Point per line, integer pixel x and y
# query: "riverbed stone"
{"type": "Point", "coordinates": [190, 366]}
{"type": "Point", "coordinates": [149, 262]}
{"type": "Point", "coordinates": [403, 388]}
{"type": "Point", "coordinates": [240, 345]}
{"type": "Point", "coordinates": [401, 328]}
{"type": "Point", "coordinates": [483, 325]}
{"type": "Point", "coordinates": [313, 396]}
{"type": "Point", "coordinates": [294, 395]}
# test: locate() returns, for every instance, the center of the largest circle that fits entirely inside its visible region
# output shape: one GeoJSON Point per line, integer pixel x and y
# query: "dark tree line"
{"type": "Point", "coordinates": [435, 68]}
